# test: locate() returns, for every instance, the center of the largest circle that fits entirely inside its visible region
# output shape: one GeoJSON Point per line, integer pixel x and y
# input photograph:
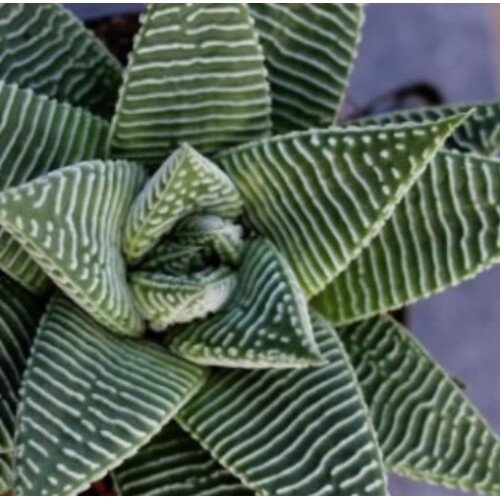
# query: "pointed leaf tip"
{"type": "Point", "coordinates": [91, 399]}
{"type": "Point", "coordinates": [186, 183]}
{"type": "Point", "coordinates": [322, 195]}
{"type": "Point", "coordinates": [265, 325]}
{"type": "Point", "coordinates": [70, 221]}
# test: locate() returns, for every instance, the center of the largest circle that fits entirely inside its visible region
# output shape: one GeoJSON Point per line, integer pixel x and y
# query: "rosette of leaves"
{"type": "Point", "coordinates": [195, 285]}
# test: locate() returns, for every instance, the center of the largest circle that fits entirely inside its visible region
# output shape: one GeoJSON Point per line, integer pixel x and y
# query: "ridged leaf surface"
{"type": "Point", "coordinates": [265, 325]}
{"type": "Point", "coordinates": [90, 400]}
{"type": "Point", "coordinates": [164, 299]}
{"type": "Point", "coordinates": [321, 196]}
{"type": "Point", "coordinates": [44, 48]}
{"type": "Point", "coordinates": [19, 314]}
{"type": "Point", "coordinates": [446, 229]}
{"type": "Point", "coordinates": [186, 183]}
{"type": "Point", "coordinates": [425, 426]}
{"type": "Point", "coordinates": [5, 474]}
{"type": "Point", "coordinates": [291, 432]}
{"type": "Point", "coordinates": [196, 75]}
{"type": "Point", "coordinates": [38, 135]}
{"type": "Point", "coordinates": [71, 221]}
{"type": "Point", "coordinates": [479, 133]}
{"type": "Point", "coordinates": [309, 50]}
{"type": "Point", "coordinates": [173, 463]}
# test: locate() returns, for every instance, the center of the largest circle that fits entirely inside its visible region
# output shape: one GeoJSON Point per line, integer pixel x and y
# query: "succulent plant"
{"type": "Point", "coordinates": [198, 260]}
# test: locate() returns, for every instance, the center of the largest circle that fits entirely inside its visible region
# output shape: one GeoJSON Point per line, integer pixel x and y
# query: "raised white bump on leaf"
{"type": "Point", "coordinates": [71, 222]}
{"type": "Point", "coordinates": [196, 74]}
{"type": "Point", "coordinates": [186, 183]}
{"type": "Point", "coordinates": [90, 400]}
{"type": "Point", "coordinates": [38, 135]}
{"type": "Point", "coordinates": [19, 315]}
{"type": "Point", "coordinates": [266, 324]}
{"type": "Point", "coordinates": [164, 300]}
{"type": "Point", "coordinates": [426, 427]}
{"type": "Point", "coordinates": [322, 195]}
{"type": "Point", "coordinates": [291, 432]}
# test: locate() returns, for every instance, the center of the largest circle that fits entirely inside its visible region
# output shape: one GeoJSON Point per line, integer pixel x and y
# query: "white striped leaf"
{"type": "Point", "coordinates": [44, 48]}
{"type": "Point", "coordinates": [322, 195]}
{"type": "Point", "coordinates": [446, 229]}
{"type": "Point", "coordinates": [71, 221]}
{"type": "Point", "coordinates": [6, 474]}
{"type": "Point", "coordinates": [19, 314]}
{"type": "Point", "coordinates": [265, 325]}
{"type": "Point", "coordinates": [174, 464]}
{"type": "Point", "coordinates": [196, 75]}
{"type": "Point", "coordinates": [426, 427]}
{"type": "Point", "coordinates": [186, 183]}
{"type": "Point", "coordinates": [291, 432]}
{"type": "Point", "coordinates": [309, 51]}
{"type": "Point", "coordinates": [164, 300]}
{"type": "Point", "coordinates": [479, 133]}
{"type": "Point", "coordinates": [38, 135]}
{"type": "Point", "coordinates": [90, 399]}
{"type": "Point", "coordinates": [169, 257]}
{"type": "Point", "coordinates": [213, 232]}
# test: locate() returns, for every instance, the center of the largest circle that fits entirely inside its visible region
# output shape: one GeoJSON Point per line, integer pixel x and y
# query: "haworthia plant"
{"type": "Point", "coordinates": [229, 257]}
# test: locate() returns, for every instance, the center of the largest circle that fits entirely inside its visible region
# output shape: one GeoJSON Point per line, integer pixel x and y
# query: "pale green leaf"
{"type": "Point", "coordinates": [322, 195]}
{"type": "Point", "coordinates": [19, 314]}
{"type": "Point", "coordinates": [6, 474]}
{"type": "Point", "coordinates": [479, 133]}
{"type": "Point", "coordinates": [309, 50]}
{"type": "Point", "coordinates": [291, 432]}
{"type": "Point", "coordinates": [172, 464]}
{"type": "Point", "coordinates": [38, 135]}
{"type": "Point", "coordinates": [266, 324]}
{"type": "Point", "coordinates": [220, 235]}
{"type": "Point", "coordinates": [446, 229]}
{"type": "Point", "coordinates": [164, 299]}
{"type": "Point", "coordinates": [426, 427]}
{"type": "Point", "coordinates": [196, 75]}
{"type": "Point", "coordinates": [186, 183]}
{"type": "Point", "coordinates": [70, 221]}
{"type": "Point", "coordinates": [90, 399]}
{"type": "Point", "coordinates": [45, 48]}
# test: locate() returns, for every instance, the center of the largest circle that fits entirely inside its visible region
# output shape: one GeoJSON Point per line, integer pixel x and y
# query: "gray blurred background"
{"type": "Point", "coordinates": [453, 48]}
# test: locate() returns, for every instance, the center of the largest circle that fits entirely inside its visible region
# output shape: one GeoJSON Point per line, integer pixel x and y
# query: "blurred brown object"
{"type": "Point", "coordinates": [117, 33]}
{"type": "Point", "coordinates": [104, 487]}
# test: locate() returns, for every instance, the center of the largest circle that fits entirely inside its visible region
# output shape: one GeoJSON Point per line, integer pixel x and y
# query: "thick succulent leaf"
{"type": "Point", "coordinates": [90, 399]}
{"type": "Point", "coordinates": [221, 235]}
{"type": "Point", "coordinates": [169, 257]}
{"type": "Point", "coordinates": [309, 51]}
{"type": "Point", "coordinates": [19, 314]}
{"type": "Point", "coordinates": [6, 475]}
{"type": "Point", "coordinates": [196, 75]}
{"type": "Point", "coordinates": [426, 427]}
{"type": "Point", "coordinates": [321, 196]}
{"type": "Point", "coordinates": [45, 48]}
{"type": "Point", "coordinates": [266, 324]}
{"type": "Point", "coordinates": [291, 432]}
{"type": "Point", "coordinates": [173, 463]}
{"type": "Point", "coordinates": [38, 135]}
{"type": "Point", "coordinates": [446, 229]}
{"type": "Point", "coordinates": [186, 183]}
{"type": "Point", "coordinates": [479, 133]}
{"type": "Point", "coordinates": [71, 221]}
{"type": "Point", "coordinates": [164, 300]}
